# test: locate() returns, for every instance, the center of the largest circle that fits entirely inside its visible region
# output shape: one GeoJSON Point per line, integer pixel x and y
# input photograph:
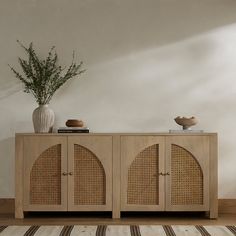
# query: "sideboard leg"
{"type": "Point", "coordinates": [213, 177]}
{"type": "Point", "coordinates": [213, 213]}
{"type": "Point", "coordinates": [19, 143]}
{"type": "Point", "coordinates": [19, 214]}
{"type": "Point", "coordinates": [116, 177]}
{"type": "Point", "coordinates": [116, 214]}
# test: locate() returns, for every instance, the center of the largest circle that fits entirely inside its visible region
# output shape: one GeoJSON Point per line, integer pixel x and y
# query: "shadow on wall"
{"type": "Point", "coordinates": [155, 85]}
{"type": "Point", "coordinates": [7, 169]}
{"type": "Point", "coordinates": [110, 29]}
{"type": "Point", "coordinates": [147, 62]}
{"type": "Point", "coordinates": [9, 89]}
{"type": "Point", "coordinates": [104, 30]}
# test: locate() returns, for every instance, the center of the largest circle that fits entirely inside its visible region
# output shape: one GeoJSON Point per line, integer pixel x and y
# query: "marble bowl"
{"type": "Point", "coordinates": [186, 122]}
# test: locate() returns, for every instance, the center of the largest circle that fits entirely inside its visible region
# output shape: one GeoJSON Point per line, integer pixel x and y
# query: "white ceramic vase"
{"type": "Point", "coordinates": [43, 119]}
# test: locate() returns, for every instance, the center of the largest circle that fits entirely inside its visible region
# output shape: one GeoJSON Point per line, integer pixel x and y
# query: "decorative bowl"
{"type": "Point", "coordinates": [74, 123]}
{"type": "Point", "coordinates": [186, 122]}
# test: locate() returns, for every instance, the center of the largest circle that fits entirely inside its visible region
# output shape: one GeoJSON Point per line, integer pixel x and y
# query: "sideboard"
{"type": "Point", "coordinates": [116, 172]}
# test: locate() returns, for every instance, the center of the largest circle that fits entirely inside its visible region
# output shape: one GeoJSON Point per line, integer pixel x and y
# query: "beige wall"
{"type": "Point", "coordinates": [147, 62]}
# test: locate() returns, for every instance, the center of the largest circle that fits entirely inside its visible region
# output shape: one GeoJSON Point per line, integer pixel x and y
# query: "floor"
{"type": "Point", "coordinates": [130, 219]}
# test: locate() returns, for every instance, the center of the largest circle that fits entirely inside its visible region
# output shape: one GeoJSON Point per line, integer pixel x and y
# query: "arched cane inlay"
{"type": "Point", "coordinates": [45, 178]}
{"type": "Point", "coordinates": [89, 178]}
{"type": "Point", "coordinates": [142, 177]}
{"type": "Point", "coordinates": [186, 178]}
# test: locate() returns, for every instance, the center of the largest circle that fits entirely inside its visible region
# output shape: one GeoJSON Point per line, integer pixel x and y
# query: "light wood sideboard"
{"type": "Point", "coordinates": [116, 172]}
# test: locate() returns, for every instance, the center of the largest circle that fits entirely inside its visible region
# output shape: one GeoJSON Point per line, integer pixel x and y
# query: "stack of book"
{"type": "Point", "coordinates": [73, 130]}
{"type": "Point", "coordinates": [186, 131]}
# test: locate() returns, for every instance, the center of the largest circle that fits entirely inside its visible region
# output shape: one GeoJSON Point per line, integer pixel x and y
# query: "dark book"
{"type": "Point", "coordinates": [73, 130]}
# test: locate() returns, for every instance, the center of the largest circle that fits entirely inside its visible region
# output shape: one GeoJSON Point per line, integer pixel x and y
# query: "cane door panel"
{"type": "Point", "coordinates": [187, 165]}
{"type": "Point", "coordinates": [142, 160]}
{"type": "Point", "coordinates": [45, 159]}
{"type": "Point", "coordinates": [90, 173]}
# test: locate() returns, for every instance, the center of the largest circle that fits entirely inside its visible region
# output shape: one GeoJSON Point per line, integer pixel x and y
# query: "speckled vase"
{"type": "Point", "coordinates": [43, 119]}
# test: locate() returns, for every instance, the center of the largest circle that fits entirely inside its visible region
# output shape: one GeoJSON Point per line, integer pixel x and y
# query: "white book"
{"type": "Point", "coordinates": [185, 131]}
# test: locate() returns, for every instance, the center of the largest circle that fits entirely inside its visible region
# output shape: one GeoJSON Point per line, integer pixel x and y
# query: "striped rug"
{"type": "Point", "coordinates": [119, 230]}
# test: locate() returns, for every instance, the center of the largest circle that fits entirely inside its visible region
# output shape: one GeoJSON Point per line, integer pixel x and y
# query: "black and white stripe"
{"type": "Point", "coordinates": [101, 230]}
{"type": "Point", "coordinates": [202, 230]}
{"type": "Point", "coordinates": [231, 228]}
{"type": "Point", "coordinates": [32, 230]}
{"type": "Point", "coordinates": [134, 230]}
{"type": "Point", "coordinates": [66, 230]}
{"type": "Point", "coordinates": [169, 230]}
{"type": "Point", "coordinates": [2, 227]}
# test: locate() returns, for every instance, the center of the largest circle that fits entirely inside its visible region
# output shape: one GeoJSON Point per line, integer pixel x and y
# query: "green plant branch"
{"type": "Point", "coordinates": [42, 78]}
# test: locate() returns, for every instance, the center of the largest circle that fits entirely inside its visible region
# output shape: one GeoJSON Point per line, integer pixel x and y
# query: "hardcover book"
{"type": "Point", "coordinates": [185, 131]}
{"type": "Point", "coordinates": [73, 130]}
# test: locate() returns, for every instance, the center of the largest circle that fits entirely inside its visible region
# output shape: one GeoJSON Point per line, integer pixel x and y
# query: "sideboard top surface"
{"type": "Point", "coordinates": [119, 134]}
